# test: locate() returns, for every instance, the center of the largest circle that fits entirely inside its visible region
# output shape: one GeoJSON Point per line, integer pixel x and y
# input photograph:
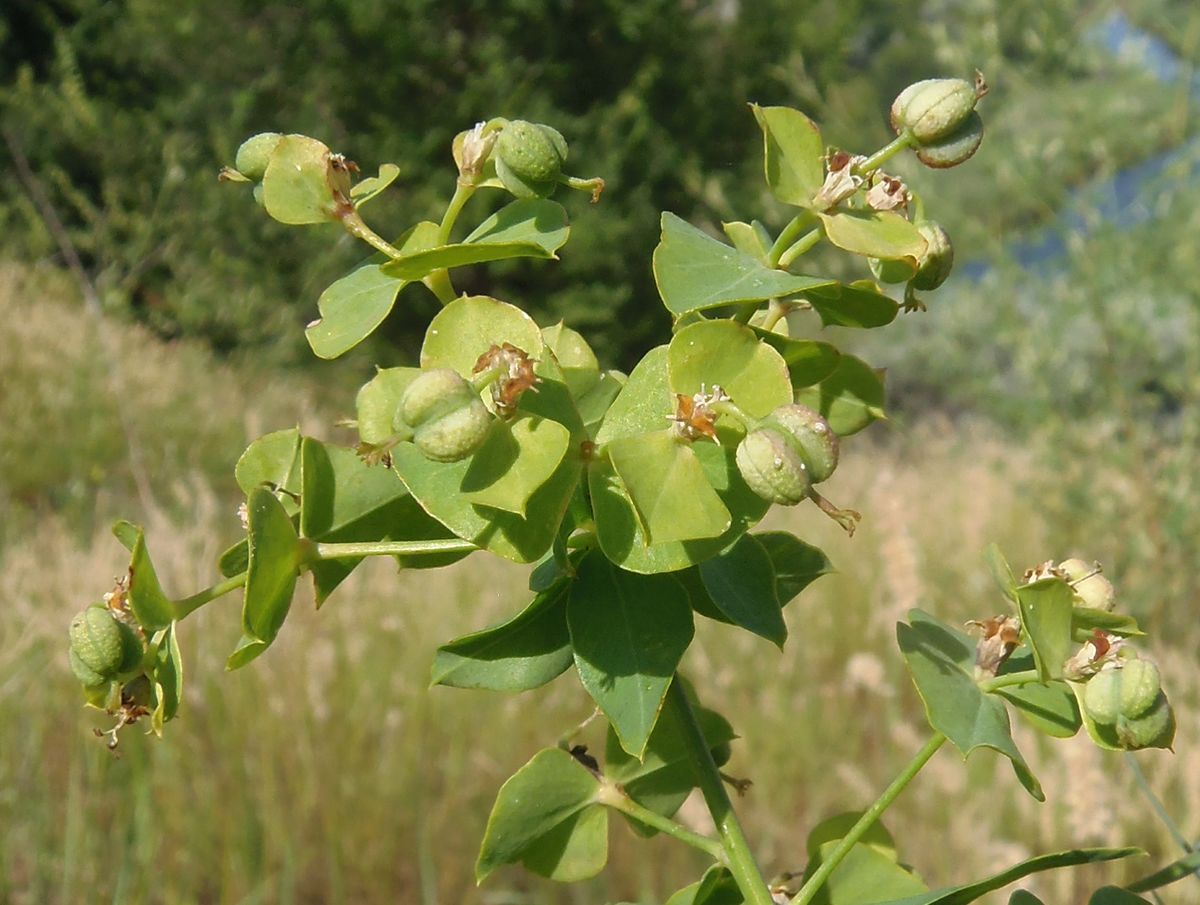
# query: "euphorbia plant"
{"type": "Point", "coordinates": [634, 497]}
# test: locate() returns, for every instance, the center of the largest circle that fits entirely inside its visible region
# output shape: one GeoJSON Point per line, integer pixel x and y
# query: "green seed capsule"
{"type": "Point", "coordinates": [1140, 687]}
{"type": "Point", "coordinates": [955, 148]}
{"type": "Point", "coordinates": [432, 394]}
{"type": "Point", "coordinates": [816, 443]}
{"type": "Point", "coordinates": [254, 155]}
{"type": "Point", "coordinates": [529, 158]}
{"type": "Point", "coordinates": [771, 466]}
{"type": "Point", "coordinates": [934, 108]}
{"type": "Point", "coordinates": [103, 645]}
{"type": "Point", "coordinates": [1102, 696]}
{"type": "Point", "coordinates": [1091, 588]}
{"type": "Point", "coordinates": [1153, 729]}
{"type": "Point", "coordinates": [87, 676]}
{"type": "Point", "coordinates": [447, 418]}
{"type": "Point", "coordinates": [937, 262]}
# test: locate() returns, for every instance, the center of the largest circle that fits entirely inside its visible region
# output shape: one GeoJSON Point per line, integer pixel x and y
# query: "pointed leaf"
{"type": "Point", "coordinates": [741, 583]}
{"type": "Point", "coordinates": [166, 675]}
{"type": "Point", "coordinates": [534, 228]}
{"type": "Point", "coordinates": [271, 573]}
{"type": "Point", "coordinates": [794, 154]}
{"type": "Point", "coordinates": [235, 559]}
{"type": "Point", "coordinates": [668, 488]}
{"type": "Point", "coordinates": [875, 234]}
{"type": "Point", "coordinates": [867, 874]}
{"type": "Point", "coordinates": [695, 272]}
{"type": "Point", "coordinates": [748, 239]}
{"type": "Point", "coordinates": [1046, 611]}
{"type": "Point", "coordinates": [722, 353]}
{"type": "Point", "coordinates": [550, 791]}
{"type": "Point", "coordinates": [629, 633]}
{"type": "Point", "coordinates": [794, 563]}
{"type": "Point", "coordinates": [525, 652]}
{"type": "Point", "coordinates": [1051, 709]}
{"type": "Point", "coordinates": [941, 661]}
{"type": "Point", "coordinates": [850, 398]}
{"type": "Point", "coordinates": [150, 605]}
{"type": "Point", "coordinates": [359, 302]}
{"type": "Point", "coordinates": [1086, 619]}
{"type": "Point", "coordinates": [594, 405]}
{"type": "Point", "coordinates": [716, 887]}
{"type": "Point", "coordinates": [1184, 867]}
{"type": "Point", "coordinates": [581, 370]}
{"type": "Point", "coordinates": [857, 304]}
{"type": "Point", "coordinates": [1002, 572]}
{"type": "Point", "coordinates": [1114, 895]}
{"type": "Point", "coordinates": [126, 533]}
{"type": "Point", "coordinates": [367, 189]}
{"type": "Point", "coordinates": [961, 895]}
{"type": "Point", "coordinates": [272, 460]}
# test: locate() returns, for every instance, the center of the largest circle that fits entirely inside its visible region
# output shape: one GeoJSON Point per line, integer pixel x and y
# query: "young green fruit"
{"type": "Point", "coordinates": [810, 433]}
{"type": "Point", "coordinates": [892, 270]}
{"type": "Point", "coordinates": [102, 646]}
{"type": "Point", "coordinates": [954, 148]}
{"type": "Point", "coordinates": [771, 466]}
{"type": "Point", "coordinates": [254, 154]}
{"type": "Point", "coordinates": [934, 108]}
{"type": "Point", "coordinates": [1153, 729]}
{"type": "Point", "coordinates": [1128, 693]}
{"type": "Point", "coordinates": [447, 418]}
{"type": "Point", "coordinates": [935, 265]}
{"type": "Point", "coordinates": [529, 158]}
{"type": "Point", "coordinates": [1091, 588]}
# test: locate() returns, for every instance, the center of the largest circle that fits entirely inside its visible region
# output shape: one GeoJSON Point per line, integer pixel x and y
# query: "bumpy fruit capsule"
{"type": "Point", "coordinates": [816, 443]}
{"type": "Point", "coordinates": [529, 158]}
{"type": "Point", "coordinates": [771, 466]}
{"type": "Point", "coordinates": [1153, 729]}
{"type": "Point", "coordinates": [102, 646]}
{"type": "Point", "coordinates": [1091, 588]}
{"type": "Point", "coordinates": [937, 262]}
{"type": "Point", "coordinates": [954, 148]}
{"type": "Point", "coordinates": [447, 418]}
{"type": "Point", "coordinates": [254, 155]}
{"type": "Point", "coordinates": [935, 108]}
{"type": "Point", "coordinates": [1129, 702]}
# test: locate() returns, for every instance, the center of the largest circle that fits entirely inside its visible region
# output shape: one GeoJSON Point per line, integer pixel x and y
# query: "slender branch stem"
{"type": "Point", "coordinates": [357, 227]}
{"type": "Point", "coordinates": [611, 795]}
{"type": "Point", "coordinates": [790, 233]}
{"type": "Point", "coordinates": [462, 194]}
{"type": "Point", "coordinates": [737, 850]}
{"type": "Point", "coordinates": [884, 154]}
{"type": "Point", "coordinates": [189, 604]}
{"type": "Point", "coordinates": [1025, 677]}
{"type": "Point", "coordinates": [776, 311]}
{"type": "Point", "coordinates": [1160, 811]}
{"type": "Point", "coordinates": [803, 244]}
{"type": "Point", "coordinates": [828, 865]}
{"type": "Point", "coordinates": [317, 552]}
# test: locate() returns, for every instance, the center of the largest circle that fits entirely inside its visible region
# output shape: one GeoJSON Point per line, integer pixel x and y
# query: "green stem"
{"type": "Point", "coordinates": [1161, 812]}
{"type": "Point", "coordinates": [1025, 677]}
{"type": "Point", "coordinates": [612, 796]}
{"type": "Point", "coordinates": [828, 865]}
{"type": "Point", "coordinates": [737, 851]}
{"type": "Point", "coordinates": [884, 154]}
{"type": "Point", "coordinates": [357, 227]}
{"type": "Point", "coordinates": [776, 311]}
{"type": "Point", "coordinates": [316, 552]}
{"type": "Point", "coordinates": [803, 244]}
{"type": "Point", "coordinates": [790, 233]}
{"type": "Point", "coordinates": [197, 600]}
{"type": "Point", "coordinates": [462, 194]}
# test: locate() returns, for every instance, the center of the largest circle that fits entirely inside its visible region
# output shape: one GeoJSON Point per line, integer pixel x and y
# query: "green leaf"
{"type": "Point", "coordinates": [749, 238]}
{"type": "Point", "coordinates": [716, 887]}
{"type": "Point", "coordinates": [377, 402]}
{"type": "Point", "coordinates": [272, 460]}
{"type": "Point", "coordinates": [961, 895]}
{"type": "Point", "coordinates": [594, 405]}
{"type": "Point", "coordinates": [695, 272]}
{"type": "Point", "coordinates": [858, 304]}
{"type": "Point", "coordinates": [1177, 870]}
{"type": "Point", "coordinates": [581, 370]}
{"type": "Point", "coordinates": [866, 874]}
{"type": "Point", "coordinates": [644, 402]}
{"type": "Point", "coordinates": [808, 362]}
{"type": "Point", "coordinates": [235, 559]}
{"type": "Point", "coordinates": [663, 777]}
{"type": "Point", "coordinates": [166, 676]}
{"type": "Point", "coordinates": [1046, 612]}
{"type": "Point", "coordinates": [1113, 895]}
{"type": "Point", "coordinates": [515, 460]}
{"type": "Point", "coordinates": [741, 582]}
{"type": "Point", "coordinates": [367, 189]}
{"type": "Point", "coordinates": [850, 398]}
{"type": "Point", "coordinates": [354, 306]}
{"type": "Point", "coordinates": [525, 652]}
{"type": "Point", "coordinates": [1086, 619]}
{"type": "Point", "coordinates": [1051, 708]}
{"type": "Point", "coordinates": [537, 818]}
{"type": "Point", "coordinates": [628, 633]}
{"type": "Point", "coordinates": [1002, 572]}
{"type": "Point", "coordinates": [722, 353]}
{"type": "Point", "coordinates": [533, 228]}
{"type": "Point", "coordinates": [295, 188]}
{"type": "Point", "coordinates": [126, 533]}
{"type": "Point", "coordinates": [270, 576]}
{"type": "Point", "coordinates": [942, 663]}
{"type": "Point", "coordinates": [469, 326]}
{"type": "Point", "coordinates": [832, 829]}
{"type": "Point", "coordinates": [1022, 897]}
{"type": "Point", "coordinates": [794, 563]}
{"type": "Point", "coordinates": [793, 154]}
{"type": "Point", "coordinates": [875, 234]}
{"type": "Point", "coordinates": [150, 605]}
{"type": "Point", "coordinates": [668, 488]}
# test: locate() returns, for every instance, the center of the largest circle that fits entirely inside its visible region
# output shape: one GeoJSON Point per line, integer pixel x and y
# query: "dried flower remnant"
{"type": "Point", "coordinates": [695, 416]}
{"type": "Point", "coordinates": [1000, 637]}
{"type": "Point", "coordinates": [1098, 651]}
{"type": "Point", "coordinates": [515, 376]}
{"type": "Point", "coordinates": [840, 179]}
{"type": "Point", "coordinates": [888, 193]}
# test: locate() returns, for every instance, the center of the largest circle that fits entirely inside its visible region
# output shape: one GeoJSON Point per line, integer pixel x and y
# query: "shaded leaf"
{"type": "Point", "coordinates": [1046, 612]}
{"type": "Point", "coordinates": [166, 675]}
{"type": "Point", "coordinates": [749, 239]}
{"type": "Point", "coordinates": [1051, 708]}
{"type": "Point", "coordinates": [795, 564]}
{"type": "Point", "coordinates": [793, 154]}
{"type": "Point", "coordinates": [716, 887]}
{"type": "Point", "coordinates": [1002, 572]}
{"type": "Point", "coordinates": [850, 398]}
{"type": "Point", "coordinates": [858, 304]}
{"type": "Point", "coordinates": [867, 874]}
{"type": "Point", "coordinates": [741, 583]}
{"type": "Point", "coordinates": [516, 459]}
{"type": "Point", "coordinates": [270, 575]}
{"type": "Point", "coordinates": [150, 605]}
{"type": "Point", "coordinates": [581, 370]}
{"type": "Point", "coordinates": [272, 460]}
{"type": "Point", "coordinates": [295, 188]}
{"type": "Point", "coordinates": [1113, 895]}
{"type": "Point", "coordinates": [808, 362]}
{"type": "Point", "coordinates": [370, 188]}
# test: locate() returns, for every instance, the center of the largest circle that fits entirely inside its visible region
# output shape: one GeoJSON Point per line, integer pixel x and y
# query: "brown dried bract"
{"type": "Point", "coordinates": [693, 420]}
{"type": "Point", "coordinates": [516, 376]}
{"type": "Point", "coordinates": [1001, 635]}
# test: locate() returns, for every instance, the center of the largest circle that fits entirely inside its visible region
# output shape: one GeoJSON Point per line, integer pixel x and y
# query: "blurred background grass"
{"type": "Point", "coordinates": [1048, 402]}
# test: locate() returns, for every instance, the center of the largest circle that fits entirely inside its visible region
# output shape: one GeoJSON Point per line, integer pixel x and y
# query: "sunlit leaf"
{"type": "Point", "coordinates": [370, 188]}
{"type": "Point", "coordinates": [793, 154]}
{"type": "Point", "coordinates": [270, 575]}
{"type": "Point", "coordinates": [1046, 624]}
{"type": "Point", "coordinates": [857, 304]}
{"type": "Point", "coordinates": [850, 398]}
{"type": "Point", "coordinates": [721, 353]}
{"type": "Point", "coordinates": [875, 234]}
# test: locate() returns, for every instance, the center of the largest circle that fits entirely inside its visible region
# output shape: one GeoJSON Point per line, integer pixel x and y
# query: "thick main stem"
{"type": "Point", "coordinates": [737, 850]}
{"type": "Point", "coordinates": [828, 865]}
